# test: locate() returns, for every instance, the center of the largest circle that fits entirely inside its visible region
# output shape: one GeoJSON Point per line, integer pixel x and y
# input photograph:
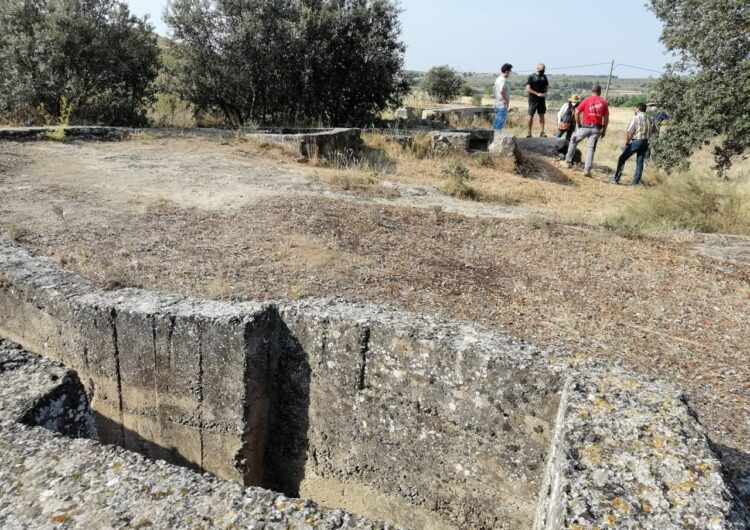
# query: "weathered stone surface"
{"type": "Point", "coordinates": [450, 142]}
{"type": "Point", "coordinates": [314, 143]}
{"type": "Point", "coordinates": [426, 421]}
{"type": "Point", "coordinates": [50, 481]}
{"type": "Point", "coordinates": [503, 144]}
{"type": "Point", "coordinates": [410, 125]}
{"type": "Point", "coordinates": [76, 131]}
{"type": "Point", "coordinates": [407, 113]}
{"type": "Point", "coordinates": [550, 147]}
{"type": "Point", "coordinates": [442, 113]}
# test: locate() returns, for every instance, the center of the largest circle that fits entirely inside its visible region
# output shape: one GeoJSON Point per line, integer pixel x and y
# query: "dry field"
{"type": "Point", "coordinates": [225, 218]}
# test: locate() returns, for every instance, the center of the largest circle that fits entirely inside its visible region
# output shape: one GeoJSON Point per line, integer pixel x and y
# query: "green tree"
{"type": "Point", "coordinates": [442, 83]}
{"type": "Point", "coordinates": [93, 52]}
{"type": "Point", "coordinates": [289, 62]}
{"type": "Point", "coordinates": [707, 90]}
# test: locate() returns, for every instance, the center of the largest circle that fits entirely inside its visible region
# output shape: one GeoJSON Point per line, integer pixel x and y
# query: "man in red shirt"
{"type": "Point", "coordinates": [592, 117]}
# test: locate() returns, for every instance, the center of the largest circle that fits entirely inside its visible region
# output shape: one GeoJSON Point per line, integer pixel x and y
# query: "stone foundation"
{"type": "Point", "coordinates": [420, 421]}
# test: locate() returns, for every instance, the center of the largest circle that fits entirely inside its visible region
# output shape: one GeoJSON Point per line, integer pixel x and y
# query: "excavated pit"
{"type": "Point", "coordinates": [420, 422]}
{"type": "Point", "coordinates": [349, 415]}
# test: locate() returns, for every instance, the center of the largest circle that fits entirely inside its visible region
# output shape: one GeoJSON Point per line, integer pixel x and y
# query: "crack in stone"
{"type": "Point", "coordinates": [200, 396]}
{"type": "Point", "coordinates": [364, 353]}
{"type": "Point", "coordinates": [116, 352]}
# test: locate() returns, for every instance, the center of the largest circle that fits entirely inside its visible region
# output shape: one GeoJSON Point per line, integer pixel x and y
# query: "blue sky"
{"type": "Point", "coordinates": [480, 35]}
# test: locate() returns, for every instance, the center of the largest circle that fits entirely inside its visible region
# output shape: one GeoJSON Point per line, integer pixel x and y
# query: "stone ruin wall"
{"type": "Point", "coordinates": [425, 422]}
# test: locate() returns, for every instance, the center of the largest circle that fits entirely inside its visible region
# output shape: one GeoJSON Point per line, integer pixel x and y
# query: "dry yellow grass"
{"type": "Point", "coordinates": [541, 185]}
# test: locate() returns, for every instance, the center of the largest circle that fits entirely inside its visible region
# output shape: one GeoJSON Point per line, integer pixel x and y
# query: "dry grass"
{"type": "Point", "coordinates": [686, 202]}
{"type": "Point", "coordinates": [538, 183]}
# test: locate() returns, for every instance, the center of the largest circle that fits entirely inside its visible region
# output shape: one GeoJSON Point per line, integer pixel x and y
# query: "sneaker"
{"type": "Point", "coordinates": [613, 180]}
{"type": "Point", "coordinates": [542, 135]}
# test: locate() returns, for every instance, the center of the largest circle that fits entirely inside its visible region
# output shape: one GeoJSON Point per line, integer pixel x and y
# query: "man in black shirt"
{"type": "Point", "coordinates": [536, 87]}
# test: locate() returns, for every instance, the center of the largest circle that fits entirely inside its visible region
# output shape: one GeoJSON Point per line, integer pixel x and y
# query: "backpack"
{"type": "Point", "coordinates": [567, 119]}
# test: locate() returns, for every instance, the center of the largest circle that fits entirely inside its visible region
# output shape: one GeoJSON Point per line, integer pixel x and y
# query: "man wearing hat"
{"type": "Point", "coordinates": [566, 118]}
{"type": "Point", "coordinates": [592, 119]}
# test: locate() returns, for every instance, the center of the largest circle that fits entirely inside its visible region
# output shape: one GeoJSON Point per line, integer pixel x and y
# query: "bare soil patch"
{"type": "Point", "coordinates": [217, 221]}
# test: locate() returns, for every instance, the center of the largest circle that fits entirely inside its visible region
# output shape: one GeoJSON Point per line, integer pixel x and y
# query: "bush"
{"type": "Point", "coordinates": [442, 83]}
{"type": "Point", "coordinates": [456, 186]}
{"type": "Point", "coordinates": [94, 52]}
{"type": "Point", "coordinates": [627, 101]}
{"type": "Point", "coordinates": [276, 61]}
{"type": "Point", "coordinates": [476, 100]}
{"type": "Point", "coordinates": [467, 91]}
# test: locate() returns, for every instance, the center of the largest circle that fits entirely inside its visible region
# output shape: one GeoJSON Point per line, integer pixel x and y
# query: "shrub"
{"type": "Point", "coordinates": [456, 169]}
{"type": "Point", "coordinates": [66, 111]}
{"type": "Point", "coordinates": [442, 83]}
{"type": "Point", "coordinates": [456, 186]}
{"type": "Point", "coordinates": [94, 52]}
{"type": "Point", "coordinates": [467, 91]}
{"type": "Point", "coordinates": [476, 100]}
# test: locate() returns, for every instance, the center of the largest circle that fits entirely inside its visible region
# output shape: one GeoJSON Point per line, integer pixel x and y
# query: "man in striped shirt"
{"type": "Point", "coordinates": [641, 129]}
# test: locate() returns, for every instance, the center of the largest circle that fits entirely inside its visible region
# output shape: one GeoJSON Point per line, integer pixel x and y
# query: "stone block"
{"type": "Point", "coordinates": [407, 113]}
{"type": "Point", "coordinates": [503, 144]}
{"type": "Point", "coordinates": [549, 147]}
{"type": "Point", "coordinates": [450, 142]}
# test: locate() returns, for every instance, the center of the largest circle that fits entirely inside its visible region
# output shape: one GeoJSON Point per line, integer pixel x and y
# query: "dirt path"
{"type": "Point", "coordinates": [213, 220]}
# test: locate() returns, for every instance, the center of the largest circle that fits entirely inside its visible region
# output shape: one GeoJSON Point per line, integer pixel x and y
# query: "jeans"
{"type": "Point", "coordinates": [501, 114]}
{"type": "Point", "coordinates": [593, 134]}
{"type": "Point", "coordinates": [638, 148]}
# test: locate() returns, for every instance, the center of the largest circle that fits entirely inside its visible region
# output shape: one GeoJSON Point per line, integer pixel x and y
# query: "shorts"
{"type": "Point", "coordinates": [537, 106]}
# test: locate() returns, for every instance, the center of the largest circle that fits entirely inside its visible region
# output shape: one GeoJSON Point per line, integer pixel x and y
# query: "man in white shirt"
{"type": "Point", "coordinates": [502, 96]}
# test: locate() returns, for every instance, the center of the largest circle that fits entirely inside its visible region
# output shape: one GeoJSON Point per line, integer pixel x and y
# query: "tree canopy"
{"type": "Point", "coordinates": [333, 62]}
{"type": "Point", "coordinates": [92, 52]}
{"type": "Point", "coordinates": [442, 83]}
{"type": "Point", "coordinates": [707, 90]}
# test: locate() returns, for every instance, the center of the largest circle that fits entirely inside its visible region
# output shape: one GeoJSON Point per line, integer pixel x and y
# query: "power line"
{"type": "Point", "coordinates": [555, 68]}
{"type": "Point", "coordinates": [639, 68]}
{"type": "Point", "coordinates": [579, 66]}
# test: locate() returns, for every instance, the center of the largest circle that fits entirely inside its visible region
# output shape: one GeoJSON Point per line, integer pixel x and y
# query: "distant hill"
{"type": "Point", "coordinates": [561, 85]}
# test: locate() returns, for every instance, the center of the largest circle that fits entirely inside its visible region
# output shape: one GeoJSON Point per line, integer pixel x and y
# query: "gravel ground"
{"type": "Point", "coordinates": [653, 304]}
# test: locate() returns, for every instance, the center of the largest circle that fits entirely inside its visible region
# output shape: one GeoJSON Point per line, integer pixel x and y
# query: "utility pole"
{"type": "Point", "coordinates": [609, 79]}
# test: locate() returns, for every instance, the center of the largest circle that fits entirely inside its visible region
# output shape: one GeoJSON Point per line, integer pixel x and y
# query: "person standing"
{"type": "Point", "coordinates": [566, 118]}
{"type": "Point", "coordinates": [502, 96]}
{"type": "Point", "coordinates": [592, 118]}
{"type": "Point", "coordinates": [642, 127]}
{"type": "Point", "coordinates": [536, 87]}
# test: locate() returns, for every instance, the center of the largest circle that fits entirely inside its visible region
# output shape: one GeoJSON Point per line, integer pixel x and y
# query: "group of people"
{"type": "Point", "coordinates": [578, 120]}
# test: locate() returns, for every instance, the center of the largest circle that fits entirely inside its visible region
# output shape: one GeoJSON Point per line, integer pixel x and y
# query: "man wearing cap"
{"type": "Point", "coordinates": [592, 118]}
{"type": "Point", "coordinates": [536, 87]}
{"type": "Point", "coordinates": [502, 96]}
{"type": "Point", "coordinates": [566, 119]}
{"type": "Point", "coordinates": [640, 130]}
